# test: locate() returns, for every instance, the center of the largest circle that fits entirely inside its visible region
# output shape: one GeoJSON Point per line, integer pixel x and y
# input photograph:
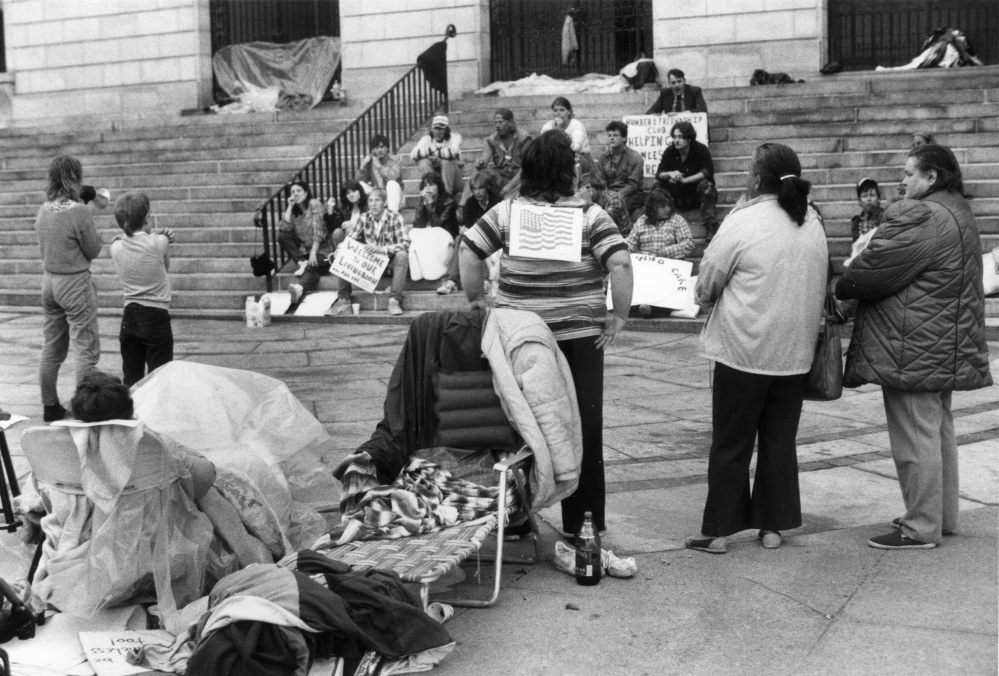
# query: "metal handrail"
{"type": "Point", "coordinates": [399, 113]}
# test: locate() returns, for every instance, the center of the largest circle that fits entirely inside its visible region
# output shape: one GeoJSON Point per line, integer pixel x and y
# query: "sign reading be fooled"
{"type": "Point", "coordinates": [356, 265]}
{"type": "Point", "coordinates": [662, 282]}
{"type": "Point", "coordinates": [649, 135]}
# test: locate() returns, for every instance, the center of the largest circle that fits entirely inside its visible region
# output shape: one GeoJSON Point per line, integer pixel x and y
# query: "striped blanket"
{"type": "Point", "coordinates": [423, 499]}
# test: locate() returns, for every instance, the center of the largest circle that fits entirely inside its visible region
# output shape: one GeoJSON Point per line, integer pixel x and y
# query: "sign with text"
{"type": "Point", "coordinates": [108, 651]}
{"type": "Point", "coordinates": [649, 135]}
{"type": "Point", "coordinates": [552, 233]}
{"type": "Point", "coordinates": [662, 282]}
{"type": "Point", "coordinates": [355, 264]}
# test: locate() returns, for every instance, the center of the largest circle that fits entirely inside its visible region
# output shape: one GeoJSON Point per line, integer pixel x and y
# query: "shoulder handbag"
{"type": "Point", "coordinates": [825, 380]}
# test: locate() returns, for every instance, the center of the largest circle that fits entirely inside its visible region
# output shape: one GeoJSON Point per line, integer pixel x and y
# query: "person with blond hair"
{"type": "Point", "coordinates": [68, 240]}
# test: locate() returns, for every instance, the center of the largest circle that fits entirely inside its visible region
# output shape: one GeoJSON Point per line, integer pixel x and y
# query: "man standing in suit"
{"type": "Point", "coordinates": [679, 97]}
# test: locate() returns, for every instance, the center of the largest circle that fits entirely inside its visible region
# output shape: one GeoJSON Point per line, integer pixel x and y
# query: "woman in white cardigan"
{"type": "Point", "coordinates": [564, 120]}
{"type": "Point", "coordinates": [763, 282]}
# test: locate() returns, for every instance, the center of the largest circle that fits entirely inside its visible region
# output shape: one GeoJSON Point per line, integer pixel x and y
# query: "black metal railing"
{"type": "Point", "coordinates": [525, 36]}
{"type": "Point", "coordinates": [865, 34]}
{"type": "Point", "coordinates": [398, 114]}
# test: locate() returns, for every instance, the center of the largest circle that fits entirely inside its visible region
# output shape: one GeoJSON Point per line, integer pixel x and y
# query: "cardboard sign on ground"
{"type": "Point", "coordinates": [359, 267]}
{"type": "Point", "coordinates": [649, 135]}
{"type": "Point", "coordinates": [551, 233]}
{"type": "Point", "coordinates": [660, 282]}
{"type": "Point", "coordinates": [107, 651]}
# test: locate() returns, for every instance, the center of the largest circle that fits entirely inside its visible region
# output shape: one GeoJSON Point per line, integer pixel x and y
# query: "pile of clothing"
{"type": "Point", "coordinates": [943, 48]}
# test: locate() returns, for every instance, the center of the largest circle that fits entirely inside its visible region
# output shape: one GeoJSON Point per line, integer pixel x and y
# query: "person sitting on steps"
{"type": "Point", "coordinates": [382, 231]}
{"type": "Point", "coordinates": [679, 96]}
{"type": "Point", "coordinates": [325, 238]}
{"type": "Point", "coordinates": [379, 169]}
{"type": "Point", "coordinates": [622, 168]}
{"type": "Point", "coordinates": [661, 232]}
{"type": "Point", "coordinates": [500, 159]}
{"type": "Point", "coordinates": [686, 172]}
{"type": "Point", "coordinates": [440, 151]}
{"type": "Point", "coordinates": [435, 228]}
{"type": "Point", "coordinates": [299, 223]}
{"type": "Point", "coordinates": [593, 190]}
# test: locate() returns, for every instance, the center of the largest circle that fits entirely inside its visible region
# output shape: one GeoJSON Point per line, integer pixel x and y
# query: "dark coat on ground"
{"type": "Point", "coordinates": [920, 323]}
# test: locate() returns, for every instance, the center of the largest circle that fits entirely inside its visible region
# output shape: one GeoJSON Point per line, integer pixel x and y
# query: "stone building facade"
{"type": "Point", "coordinates": [124, 58]}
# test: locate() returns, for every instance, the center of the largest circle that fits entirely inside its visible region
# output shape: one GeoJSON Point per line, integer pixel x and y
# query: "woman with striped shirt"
{"type": "Point", "coordinates": [568, 296]}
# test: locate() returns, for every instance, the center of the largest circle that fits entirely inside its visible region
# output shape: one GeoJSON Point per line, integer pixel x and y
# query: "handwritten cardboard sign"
{"type": "Point", "coordinates": [107, 651]}
{"type": "Point", "coordinates": [354, 264]}
{"type": "Point", "coordinates": [649, 134]}
{"type": "Point", "coordinates": [662, 282]}
{"type": "Point", "coordinates": [552, 233]}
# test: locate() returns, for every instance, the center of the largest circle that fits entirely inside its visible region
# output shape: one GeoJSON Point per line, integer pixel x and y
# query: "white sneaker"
{"type": "Point", "coordinates": [394, 307]}
{"type": "Point", "coordinates": [447, 288]}
{"type": "Point", "coordinates": [301, 268]}
{"type": "Point", "coordinates": [296, 292]}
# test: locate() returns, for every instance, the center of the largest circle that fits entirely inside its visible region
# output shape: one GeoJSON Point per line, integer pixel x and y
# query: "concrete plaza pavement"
{"type": "Point", "coordinates": [824, 603]}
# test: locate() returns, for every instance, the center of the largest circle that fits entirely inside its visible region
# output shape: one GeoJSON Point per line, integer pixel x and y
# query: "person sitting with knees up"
{"type": "Point", "coordinates": [299, 223]}
{"type": "Point", "coordinates": [327, 235]}
{"type": "Point", "coordinates": [102, 397]}
{"type": "Point", "coordinates": [382, 231]}
{"type": "Point", "coordinates": [622, 168]}
{"type": "Point", "coordinates": [380, 169]}
{"type": "Point", "coordinates": [500, 159]}
{"type": "Point", "coordinates": [435, 229]}
{"type": "Point", "coordinates": [563, 119]}
{"type": "Point", "coordinates": [687, 172]}
{"type": "Point", "coordinates": [661, 232]}
{"type": "Point", "coordinates": [440, 151]}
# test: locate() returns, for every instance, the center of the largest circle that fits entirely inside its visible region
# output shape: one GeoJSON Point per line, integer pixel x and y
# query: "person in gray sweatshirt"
{"type": "Point", "coordinates": [69, 240]}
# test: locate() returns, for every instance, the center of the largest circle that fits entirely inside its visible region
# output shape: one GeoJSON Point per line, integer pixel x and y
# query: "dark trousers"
{"type": "Point", "coordinates": [587, 365]}
{"type": "Point", "coordinates": [747, 407]}
{"type": "Point", "coordinates": [291, 245]}
{"type": "Point", "coordinates": [703, 195]}
{"type": "Point", "coordinates": [310, 278]}
{"type": "Point", "coordinates": [146, 339]}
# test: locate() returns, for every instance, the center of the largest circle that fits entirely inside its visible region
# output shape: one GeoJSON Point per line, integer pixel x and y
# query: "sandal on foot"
{"type": "Point", "coordinates": [709, 545]}
{"type": "Point", "coordinates": [770, 539]}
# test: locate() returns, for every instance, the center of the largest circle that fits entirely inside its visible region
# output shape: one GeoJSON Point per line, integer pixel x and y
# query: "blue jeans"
{"type": "Point", "coordinates": [146, 340]}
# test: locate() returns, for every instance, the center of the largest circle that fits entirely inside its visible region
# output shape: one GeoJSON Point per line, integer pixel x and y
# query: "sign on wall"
{"type": "Point", "coordinates": [649, 134]}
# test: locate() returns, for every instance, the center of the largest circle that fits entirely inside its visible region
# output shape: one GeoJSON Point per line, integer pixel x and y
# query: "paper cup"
{"type": "Point", "coordinates": [356, 308]}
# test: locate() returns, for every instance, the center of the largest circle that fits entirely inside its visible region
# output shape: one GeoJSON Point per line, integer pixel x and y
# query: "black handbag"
{"type": "Point", "coordinates": [261, 264]}
{"type": "Point", "coordinates": [825, 379]}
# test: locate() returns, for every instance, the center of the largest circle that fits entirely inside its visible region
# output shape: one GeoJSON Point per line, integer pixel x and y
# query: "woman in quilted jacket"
{"type": "Point", "coordinates": [919, 333]}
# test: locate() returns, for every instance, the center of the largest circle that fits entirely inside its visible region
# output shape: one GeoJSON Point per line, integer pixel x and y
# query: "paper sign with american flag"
{"type": "Point", "coordinates": [552, 233]}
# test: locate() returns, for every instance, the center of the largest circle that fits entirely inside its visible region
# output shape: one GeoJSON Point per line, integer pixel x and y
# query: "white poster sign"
{"type": "Point", "coordinates": [354, 264]}
{"type": "Point", "coordinates": [107, 651]}
{"type": "Point", "coordinates": [552, 233]}
{"type": "Point", "coordinates": [662, 282]}
{"type": "Point", "coordinates": [649, 134]}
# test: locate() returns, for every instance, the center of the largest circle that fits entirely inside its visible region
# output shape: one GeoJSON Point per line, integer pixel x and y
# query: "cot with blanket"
{"type": "Point", "coordinates": [441, 398]}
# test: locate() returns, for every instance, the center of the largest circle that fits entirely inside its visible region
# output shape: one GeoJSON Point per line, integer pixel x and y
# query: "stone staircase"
{"type": "Point", "coordinates": [206, 175]}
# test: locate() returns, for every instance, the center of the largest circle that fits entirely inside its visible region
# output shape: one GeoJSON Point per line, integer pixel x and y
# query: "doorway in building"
{"type": "Point", "coordinates": [235, 22]}
{"type": "Point", "coordinates": [865, 34]}
{"type": "Point", "coordinates": [526, 36]}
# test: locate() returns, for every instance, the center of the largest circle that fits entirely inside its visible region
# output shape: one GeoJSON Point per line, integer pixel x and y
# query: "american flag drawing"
{"type": "Point", "coordinates": [546, 230]}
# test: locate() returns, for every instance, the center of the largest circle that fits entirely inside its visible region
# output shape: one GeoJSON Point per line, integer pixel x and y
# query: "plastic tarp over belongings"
{"type": "Point", "coordinates": [252, 424]}
{"type": "Point", "coordinates": [943, 48]}
{"type": "Point", "coordinates": [591, 83]}
{"type": "Point", "coordinates": [300, 71]}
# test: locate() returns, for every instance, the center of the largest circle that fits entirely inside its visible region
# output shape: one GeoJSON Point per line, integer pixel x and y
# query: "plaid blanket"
{"type": "Point", "coordinates": [423, 499]}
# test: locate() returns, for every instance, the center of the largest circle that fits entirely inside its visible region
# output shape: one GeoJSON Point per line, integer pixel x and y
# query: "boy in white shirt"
{"type": "Point", "coordinates": [141, 260]}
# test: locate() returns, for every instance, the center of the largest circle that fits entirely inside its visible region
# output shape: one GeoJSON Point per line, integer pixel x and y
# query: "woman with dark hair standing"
{"type": "Point", "coordinates": [69, 241]}
{"type": "Point", "coordinates": [564, 120]}
{"type": "Point", "coordinates": [919, 333]}
{"type": "Point", "coordinates": [568, 296]}
{"type": "Point", "coordinates": [300, 222]}
{"type": "Point", "coordinates": [763, 282]}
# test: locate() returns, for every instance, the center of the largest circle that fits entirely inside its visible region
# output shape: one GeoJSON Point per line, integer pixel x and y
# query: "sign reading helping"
{"type": "Point", "coordinates": [356, 265]}
{"type": "Point", "coordinates": [552, 233]}
{"type": "Point", "coordinates": [649, 135]}
{"type": "Point", "coordinates": [662, 282]}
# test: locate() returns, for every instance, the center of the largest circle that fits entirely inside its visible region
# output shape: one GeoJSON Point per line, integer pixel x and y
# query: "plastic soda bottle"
{"type": "Point", "coordinates": [588, 553]}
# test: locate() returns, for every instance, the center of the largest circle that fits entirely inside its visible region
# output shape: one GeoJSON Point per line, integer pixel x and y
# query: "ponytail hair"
{"type": "Point", "coordinates": [779, 171]}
